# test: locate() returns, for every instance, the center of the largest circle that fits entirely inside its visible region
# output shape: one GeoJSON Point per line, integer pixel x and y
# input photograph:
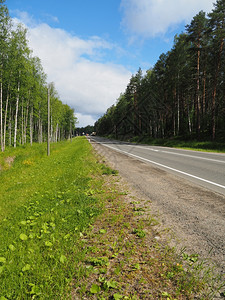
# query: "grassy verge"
{"type": "Point", "coordinates": [45, 205]}
{"type": "Point", "coordinates": [210, 146]}
{"type": "Point", "coordinates": [68, 230]}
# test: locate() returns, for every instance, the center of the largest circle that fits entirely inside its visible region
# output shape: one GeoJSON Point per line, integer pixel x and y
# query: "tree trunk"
{"type": "Point", "coordinates": [16, 115]}
{"type": "Point", "coordinates": [31, 125]}
{"type": "Point", "coordinates": [178, 105]}
{"type": "Point", "coordinates": [6, 113]}
{"type": "Point", "coordinates": [22, 128]}
{"type": "Point", "coordinates": [189, 119]}
{"type": "Point", "coordinates": [49, 125]}
{"type": "Point", "coordinates": [197, 93]}
{"type": "Point", "coordinates": [215, 90]}
{"type": "Point", "coordinates": [204, 93]}
{"type": "Point", "coordinates": [25, 123]}
{"type": "Point", "coordinates": [40, 129]}
{"type": "Point", "coordinates": [10, 126]}
{"type": "Point", "coordinates": [1, 124]}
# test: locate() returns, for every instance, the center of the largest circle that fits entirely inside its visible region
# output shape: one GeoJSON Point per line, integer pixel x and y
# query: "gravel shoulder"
{"type": "Point", "coordinates": [194, 216]}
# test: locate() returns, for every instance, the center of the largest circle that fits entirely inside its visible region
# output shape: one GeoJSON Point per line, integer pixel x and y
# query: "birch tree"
{"type": "Point", "coordinates": [4, 35]}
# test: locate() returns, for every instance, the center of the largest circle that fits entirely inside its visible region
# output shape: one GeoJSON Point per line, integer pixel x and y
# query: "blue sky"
{"type": "Point", "coordinates": [90, 48]}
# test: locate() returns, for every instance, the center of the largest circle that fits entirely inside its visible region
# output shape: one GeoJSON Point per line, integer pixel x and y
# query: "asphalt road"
{"type": "Point", "coordinates": [202, 168]}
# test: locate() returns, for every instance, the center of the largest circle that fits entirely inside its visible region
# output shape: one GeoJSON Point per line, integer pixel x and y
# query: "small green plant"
{"type": "Point", "coordinates": [193, 258]}
{"type": "Point", "coordinates": [136, 267]}
{"type": "Point", "coordinates": [95, 289]}
{"type": "Point", "coordinates": [107, 284]}
{"type": "Point", "coordinates": [139, 233]}
{"type": "Point", "coordinates": [98, 261]}
{"type": "Point", "coordinates": [138, 209]}
{"type": "Point", "coordinates": [117, 296]}
{"type": "Point", "coordinates": [108, 171]}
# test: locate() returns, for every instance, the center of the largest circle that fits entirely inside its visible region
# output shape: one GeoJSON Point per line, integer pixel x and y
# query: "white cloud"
{"type": "Point", "coordinates": [82, 76]}
{"type": "Point", "coordinates": [84, 120]}
{"type": "Point", "coordinates": [51, 18]}
{"type": "Point", "coordinates": [150, 18]}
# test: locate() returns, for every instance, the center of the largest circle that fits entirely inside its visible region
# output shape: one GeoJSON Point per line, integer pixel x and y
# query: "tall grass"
{"type": "Point", "coordinates": [46, 204]}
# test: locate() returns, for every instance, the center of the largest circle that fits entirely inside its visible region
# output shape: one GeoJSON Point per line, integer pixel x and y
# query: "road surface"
{"type": "Point", "coordinates": [203, 168]}
{"type": "Point", "coordinates": [186, 190]}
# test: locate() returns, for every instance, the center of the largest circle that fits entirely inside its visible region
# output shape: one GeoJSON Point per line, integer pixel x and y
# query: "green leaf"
{"type": "Point", "coordinates": [95, 289]}
{"type": "Point", "coordinates": [23, 222]}
{"type": "Point", "coordinates": [67, 236]}
{"type": "Point", "coordinates": [52, 224]}
{"type": "Point", "coordinates": [32, 235]}
{"type": "Point", "coordinates": [45, 226]}
{"type": "Point", "coordinates": [136, 267]}
{"type": "Point", "coordinates": [101, 279]}
{"type": "Point", "coordinates": [117, 296]}
{"type": "Point", "coordinates": [2, 260]}
{"type": "Point", "coordinates": [1, 270]}
{"type": "Point", "coordinates": [12, 247]}
{"type": "Point", "coordinates": [35, 290]}
{"type": "Point", "coordinates": [165, 294]}
{"type": "Point", "coordinates": [48, 244]}
{"type": "Point", "coordinates": [102, 231]}
{"type": "Point", "coordinates": [33, 223]}
{"type": "Point", "coordinates": [3, 298]}
{"type": "Point", "coordinates": [27, 267]}
{"type": "Point", "coordinates": [23, 237]}
{"type": "Point", "coordinates": [111, 284]}
{"type": "Point", "coordinates": [62, 259]}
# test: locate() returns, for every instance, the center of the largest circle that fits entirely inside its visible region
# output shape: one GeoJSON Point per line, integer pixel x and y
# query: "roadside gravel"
{"type": "Point", "coordinates": [195, 216]}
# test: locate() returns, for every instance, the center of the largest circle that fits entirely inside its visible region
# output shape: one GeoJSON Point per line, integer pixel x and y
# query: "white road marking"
{"type": "Point", "coordinates": [169, 168]}
{"type": "Point", "coordinates": [187, 155]}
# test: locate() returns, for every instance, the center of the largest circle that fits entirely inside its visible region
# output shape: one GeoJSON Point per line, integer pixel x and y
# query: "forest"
{"type": "Point", "coordinates": [183, 95]}
{"type": "Point", "coordinates": [24, 92]}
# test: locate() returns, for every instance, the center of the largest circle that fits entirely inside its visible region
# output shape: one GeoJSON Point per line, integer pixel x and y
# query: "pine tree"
{"type": "Point", "coordinates": [217, 32]}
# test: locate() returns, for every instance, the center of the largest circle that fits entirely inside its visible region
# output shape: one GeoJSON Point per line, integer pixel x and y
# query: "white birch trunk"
{"type": "Point", "coordinates": [25, 123]}
{"type": "Point", "coordinates": [1, 124]}
{"type": "Point", "coordinates": [16, 115]}
{"type": "Point", "coordinates": [22, 128]}
{"type": "Point", "coordinates": [31, 126]}
{"type": "Point", "coordinates": [10, 126]}
{"type": "Point", "coordinates": [56, 133]}
{"type": "Point", "coordinates": [40, 129]}
{"type": "Point", "coordinates": [6, 113]}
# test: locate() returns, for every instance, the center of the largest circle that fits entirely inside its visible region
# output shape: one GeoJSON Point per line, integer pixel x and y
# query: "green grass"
{"type": "Point", "coordinates": [46, 204]}
{"type": "Point", "coordinates": [209, 146]}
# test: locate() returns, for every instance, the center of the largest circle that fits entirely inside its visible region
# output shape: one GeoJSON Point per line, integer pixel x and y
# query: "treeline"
{"type": "Point", "coordinates": [23, 92]}
{"type": "Point", "coordinates": [183, 94]}
{"type": "Point", "coordinates": [85, 130]}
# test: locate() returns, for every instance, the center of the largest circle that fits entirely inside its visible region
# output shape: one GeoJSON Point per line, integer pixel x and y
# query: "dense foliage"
{"type": "Point", "coordinates": [183, 94]}
{"type": "Point", "coordinates": [23, 91]}
{"type": "Point", "coordinates": [85, 130]}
